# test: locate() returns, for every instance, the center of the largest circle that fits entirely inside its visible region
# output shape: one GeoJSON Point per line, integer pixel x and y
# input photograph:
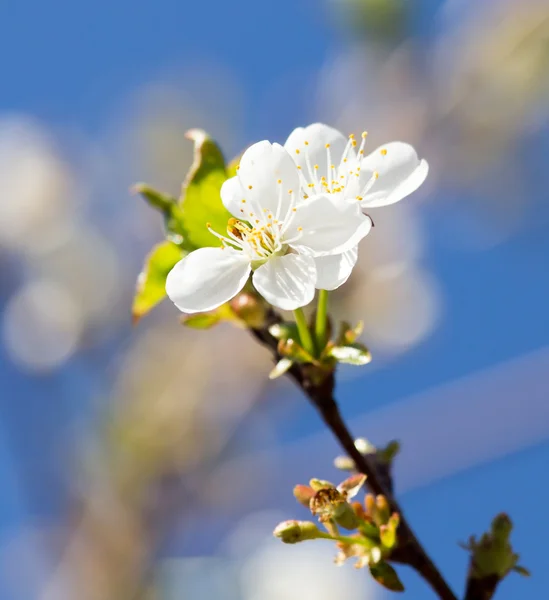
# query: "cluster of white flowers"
{"type": "Point", "coordinates": [298, 218]}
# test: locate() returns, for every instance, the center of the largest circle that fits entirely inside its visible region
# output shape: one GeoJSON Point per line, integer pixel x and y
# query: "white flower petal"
{"type": "Point", "coordinates": [207, 278]}
{"type": "Point", "coordinates": [317, 135]}
{"type": "Point", "coordinates": [400, 173]}
{"type": "Point", "coordinates": [287, 282]}
{"type": "Point", "coordinates": [329, 225]}
{"type": "Point", "coordinates": [261, 167]}
{"type": "Point", "coordinates": [232, 195]}
{"type": "Point", "coordinates": [333, 271]}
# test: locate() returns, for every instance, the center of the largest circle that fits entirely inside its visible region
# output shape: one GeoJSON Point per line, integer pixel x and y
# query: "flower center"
{"type": "Point", "coordinates": [342, 177]}
{"type": "Point", "coordinates": [260, 241]}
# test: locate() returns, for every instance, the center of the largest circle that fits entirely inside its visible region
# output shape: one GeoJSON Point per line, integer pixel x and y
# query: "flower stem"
{"type": "Point", "coordinates": [321, 319]}
{"type": "Point", "coordinates": [304, 333]}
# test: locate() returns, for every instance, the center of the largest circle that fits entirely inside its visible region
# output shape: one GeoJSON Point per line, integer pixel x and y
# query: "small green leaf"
{"type": "Point", "coordinates": [292, 349]}
{"type": "Point", "coordinates": [169, 208]}
{"type": "Point", "coordinates": [281, 367]}
{"type": "Point", "coordinates": [385, 575]}
{"type": "Point", "coordinates": [388, 453]}
{"type": "Point", "coordinates": [200, 198]}
{"type": "Point", "coordinates": [150, 289]}
{"type": "Point", "coordinates": [348, 334]}
{"type": "Point", "coordinates": [353, 354]}
{"type": "Point", "coordinates": [202, 320]}
{"type": "Point", "coordinates": [522, 571]}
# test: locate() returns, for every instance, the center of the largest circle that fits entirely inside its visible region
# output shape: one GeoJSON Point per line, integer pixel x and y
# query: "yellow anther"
{"type": "Point", "coordinates": [279, 180]}
{"type": "Point", "coordinates": [243, 201]}
{"type": "Point", "coordinates": [251, 214]}
{"type": "Point", "coordinates": [345, 160]}
{"type": "Point", "coordinates": [351, 136]}
{"type": "Point", "coordinates": [208, 225]}
{"type": "Point", "coordinates": [359, 197]}
{"type": "Point", "coordinates": [305, 196]}
{"type": "Point", "coordinates": [299, 167]}
{"type": "Point", "coordinates": [290, 191]}
{"type": "Point", "coordinates": [250, 187]}
{"type": "Point", "coordinates": [364, 134]}
{"type": "Point", "coordinates": [306, 143]}
{"type": "Point", "coordinates": [376, 175]}
{"type": "Point", "coordinates": [300, 228]}
{"type": "Point", "coordinates": [237, 167]}
{"type": "Point", "coordinates": [297, 150]}
{"type": "Point", "coordinates": [354, 143]}
{"type": "Point", "coordinates": [361, 152]}
{"type": "Point", "coordinates": [384, 152]}
{"type": "Point", "coordinates": [332, 166]}
{"type": "Point", "coordinates": [327, 145]}
{"type": "Point", "coordinates": [294, 209]}
{"type": "Point", "coordinates": [316, 166]}
{"type": "Point", "coordinates": [310, 185]}
{"type": "Point", "coordinates": [257, 220]}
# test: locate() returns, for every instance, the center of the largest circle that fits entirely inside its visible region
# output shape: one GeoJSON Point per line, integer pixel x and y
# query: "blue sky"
{"type": "Point", "coordinates": [73, 65]}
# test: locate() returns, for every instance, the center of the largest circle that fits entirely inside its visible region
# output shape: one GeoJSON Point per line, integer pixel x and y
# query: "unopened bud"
{"type": "Point", "coordinates": [359, 510]}
{"type": "Point", "coordinates": [249, 309]}
{"type": "Point", "coordinates": [344, 463]}
{"type": "Point", "coordinates": [370, 505]}
{"type": "Point", "coordinates": [383, 510]}
{"type": "Point", "coordinates": [292, 532]}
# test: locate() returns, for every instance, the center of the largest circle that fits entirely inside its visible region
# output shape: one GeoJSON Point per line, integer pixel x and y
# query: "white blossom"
{"type": "Point", "coordinates": [277, 232]}
{"type": "Point", "coordinates": [330, 163]}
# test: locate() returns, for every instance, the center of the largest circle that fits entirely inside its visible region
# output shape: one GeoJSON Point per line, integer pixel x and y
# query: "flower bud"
{"type": "Point", "coordinates": [249, 308]}
{"type": "Point", "coordinates": [383, 510]}
{"type": "Point", "coordinates": [291, 532]}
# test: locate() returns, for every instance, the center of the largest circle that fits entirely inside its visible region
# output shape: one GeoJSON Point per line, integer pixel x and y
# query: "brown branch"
{"type": "Point", "coordinates": [481, 588]}
{"type": "Point", "coordinates": [320, 390]}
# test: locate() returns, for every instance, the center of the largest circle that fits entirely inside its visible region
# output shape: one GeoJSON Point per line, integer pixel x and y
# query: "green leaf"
{"type": "Point", "coordinates": [348, 334]}
{"type": "Point", "coordinates": [281, 367]}
{"type": "Point", "coordinates": [388, 453]}
{"type": "Point", "coordinates": [169, 208]}
{"type": "Point", "coordinates": [522, 571]}
{"type": "Point", "coordinates": [150, 289]}
{"type": "Point", "coordinates": [293, 350]}
{"type": "Point", "coordinates": [200, 198]}
{"type": "Point", "coordinates": [385, 575]}
{"type": "Point", "coordinates": [353, 354]}
{"type": "Point", "coordinates": [202, 320]}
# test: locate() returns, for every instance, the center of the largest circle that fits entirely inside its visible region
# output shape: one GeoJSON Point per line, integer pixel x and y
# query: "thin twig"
{"type": "Point", "coordinates": [320, 393]}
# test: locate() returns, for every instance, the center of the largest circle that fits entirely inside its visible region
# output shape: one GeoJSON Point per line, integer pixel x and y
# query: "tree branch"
{"type": "Point", "coordinates": [320, 393]}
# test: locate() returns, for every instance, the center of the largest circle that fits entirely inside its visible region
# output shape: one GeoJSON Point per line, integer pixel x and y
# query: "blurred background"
{"type": "Point", "coordinates": [153, 462]}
